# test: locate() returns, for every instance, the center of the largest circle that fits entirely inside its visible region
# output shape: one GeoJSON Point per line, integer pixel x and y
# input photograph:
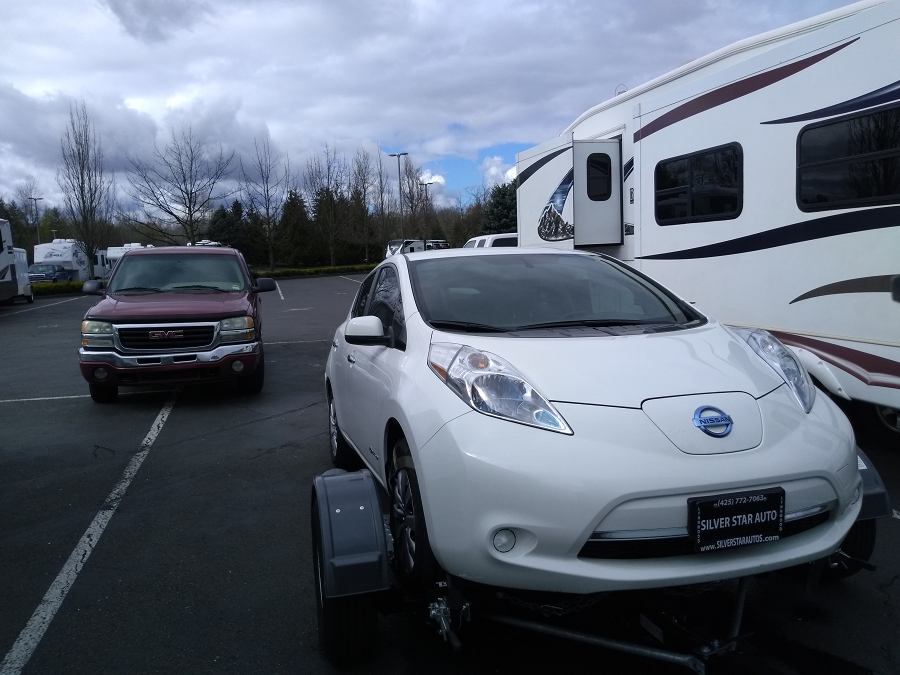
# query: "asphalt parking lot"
{"type": "Point", "coordinates": [202, 562]}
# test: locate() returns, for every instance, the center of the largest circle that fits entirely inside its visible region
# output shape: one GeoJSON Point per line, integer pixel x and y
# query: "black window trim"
{"type": "Point", "coordinates": [846, 204]}
{"type": "Point", "coordinates": [371, 275]}
{"type": "Point", "coordinates": [702, 219]}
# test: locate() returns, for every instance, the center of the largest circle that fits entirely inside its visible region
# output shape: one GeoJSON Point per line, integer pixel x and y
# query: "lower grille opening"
{"type": "Point", "coordinates": [663, 547]}
{"type": "Point", "coordinates": [185, 374]}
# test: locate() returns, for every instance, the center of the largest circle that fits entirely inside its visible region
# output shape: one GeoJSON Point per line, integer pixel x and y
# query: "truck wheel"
{"type": "Point", "coordinates": [342, 455]}
{"type": "Point", "coordinates": [253, 383]}
{"type": "Point", "coordinates": [30, 296]}
{"type": "Point", "coordinates": [416, 564]}
{"type": "Point", "coordinates": [104, 393]}
{"type": "Point", "coordinates": [348, 626]}
{"type": "Point", "coordinates": [859, 544]}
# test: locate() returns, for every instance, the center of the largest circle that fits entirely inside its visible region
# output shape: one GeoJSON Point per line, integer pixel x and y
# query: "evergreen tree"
{"type": "Point", "coordinates": [500, 209]}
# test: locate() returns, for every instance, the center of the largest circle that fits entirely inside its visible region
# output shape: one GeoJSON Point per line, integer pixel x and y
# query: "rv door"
{"type": "Point", "coordinates": [597, 193]}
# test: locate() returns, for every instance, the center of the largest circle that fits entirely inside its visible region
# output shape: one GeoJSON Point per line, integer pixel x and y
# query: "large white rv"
{"type": "Point", "coordinates": [9, 287]}
{"type": "Point", "coordinates": [65, 252]}
{"type": "Point", "coordinates": [761, 182]}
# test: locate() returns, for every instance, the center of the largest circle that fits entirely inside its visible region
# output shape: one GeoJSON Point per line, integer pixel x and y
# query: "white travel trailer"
{"type": "Point", "coordinates": [113, 253]}
{"type": "Point", "coordinates": [9, 288]}
{"type": "Point", "coordinates": [65, 252]}
{"type": "Point", "coordinates": [761, 182]}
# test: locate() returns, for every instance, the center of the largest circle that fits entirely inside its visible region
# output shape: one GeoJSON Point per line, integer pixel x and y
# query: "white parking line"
{"type": "Point", "coordinates": [41, 306]}
{"type": "Point", "coordinates": [896, 514]}
{"type": "Point", "coordinates": [60, 398]}
{"type": "Point", "coordinates": [356, 281]}
{"type": "Point", "coordinates": [279, 290]}
{"type": "Point", "coordinates": [36, 627]}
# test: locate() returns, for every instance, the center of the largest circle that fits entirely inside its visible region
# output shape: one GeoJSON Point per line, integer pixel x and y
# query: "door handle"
{"type": "Point", "coordinates": [350, 358]}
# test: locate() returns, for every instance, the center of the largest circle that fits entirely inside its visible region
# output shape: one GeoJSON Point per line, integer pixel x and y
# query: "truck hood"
{"type": "Point", "coordinates": [626, 371]}
{"type": "Point", "coordinates": [168, 307]}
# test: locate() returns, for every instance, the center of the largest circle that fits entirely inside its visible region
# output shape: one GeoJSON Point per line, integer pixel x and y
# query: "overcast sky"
{"type": "Point", "coordinates": [461, 85]}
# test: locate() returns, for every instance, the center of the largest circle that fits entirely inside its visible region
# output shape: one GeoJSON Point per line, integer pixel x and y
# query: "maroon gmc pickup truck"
{"type": "Point", "coordinates": [174, 314]}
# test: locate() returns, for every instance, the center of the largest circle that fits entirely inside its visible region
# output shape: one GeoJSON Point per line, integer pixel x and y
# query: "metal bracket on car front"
{"type": "Point", "coordinates": [876, 502]}
{"type": "Point", "coordinates": [354, 550]}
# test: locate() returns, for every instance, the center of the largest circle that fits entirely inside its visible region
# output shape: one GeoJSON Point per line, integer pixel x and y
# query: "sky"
{"type": "Point", "coordinates": [461, 85]}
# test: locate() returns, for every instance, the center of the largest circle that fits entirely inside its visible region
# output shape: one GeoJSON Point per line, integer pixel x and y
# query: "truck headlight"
{"type": "Point", "coordinates": [784, 362]}
{"type": "Point", "coordinates": [96, 327]}
{"type": "Point", "coordinates": [237, 329]}
{"type": "Point", "coordinates": [492, 386]}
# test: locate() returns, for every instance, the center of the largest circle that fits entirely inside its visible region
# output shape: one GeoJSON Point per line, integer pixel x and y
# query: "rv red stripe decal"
{"type": "Point", "coordinates": [732, 91]}
{"type": "Point", "coordinates": [874, 371]}
{"type": "Point", "coordinates": [879, 284]}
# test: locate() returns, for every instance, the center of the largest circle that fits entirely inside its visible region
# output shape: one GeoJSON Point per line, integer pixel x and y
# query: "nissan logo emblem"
{"type": "Point", "coordinates": [715, 423]}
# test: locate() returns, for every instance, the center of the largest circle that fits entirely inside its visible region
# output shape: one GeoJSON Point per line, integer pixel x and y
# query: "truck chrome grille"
{"type": "Point", "coordinates": [166, 338]}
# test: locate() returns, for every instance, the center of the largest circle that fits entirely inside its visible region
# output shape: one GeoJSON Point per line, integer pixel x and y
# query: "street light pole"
{"type": "Point", "coordinates": [37, 225]}
{"type": "Point", "coordinates": [425, 243]}
{"type": "Point", "coordinates": [398, 155]}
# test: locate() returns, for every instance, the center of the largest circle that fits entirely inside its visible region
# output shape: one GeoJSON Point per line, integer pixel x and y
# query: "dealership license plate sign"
{"type": "Point", "coordinates": [736, 519]}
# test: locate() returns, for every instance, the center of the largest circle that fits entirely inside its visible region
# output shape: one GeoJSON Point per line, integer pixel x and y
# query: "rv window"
{"type": "Point", "coordinates": [703, 186]}
{"type": "Point", "coordinates": [851, 162]}
{"type": "Point", "coordinates": [599, 177]}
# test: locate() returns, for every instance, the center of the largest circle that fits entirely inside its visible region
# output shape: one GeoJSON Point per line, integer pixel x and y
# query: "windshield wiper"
{"type": "Point", "coordinates": [587, 323]}
{"type": "Point", "coordinates": [199, 287]}
{"type": "Point", "coordinates": [137, 289]}
{"type": "Point", "coordinates": [468, 326]}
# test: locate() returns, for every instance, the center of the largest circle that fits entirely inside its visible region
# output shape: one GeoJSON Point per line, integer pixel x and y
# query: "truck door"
{"type": "Point", "coordinates": [597, 193]}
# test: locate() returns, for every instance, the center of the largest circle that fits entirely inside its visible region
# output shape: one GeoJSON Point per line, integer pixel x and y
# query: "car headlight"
{"type": "Point", "coordinates": [237, 329]}
{"type": "Point", "coordinates": [96, 327]}
{"type": "Point", "coordinates": [784, 362]}
{"type": "Point", "coordinates": [490, 385]}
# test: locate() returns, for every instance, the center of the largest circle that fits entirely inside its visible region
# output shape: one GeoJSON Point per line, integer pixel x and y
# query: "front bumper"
{"type": "Point", "coordinates": [137, 369]}
{"type": "Point", "coordinates": [620, 474]}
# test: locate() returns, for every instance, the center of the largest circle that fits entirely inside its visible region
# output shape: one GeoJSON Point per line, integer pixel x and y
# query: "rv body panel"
{"type": "Point", "coordinates": [8, 284]}
{"type": "Point", "coordinates": [816, 275]}
{"type": "Point", "coordinates": [65, 252]}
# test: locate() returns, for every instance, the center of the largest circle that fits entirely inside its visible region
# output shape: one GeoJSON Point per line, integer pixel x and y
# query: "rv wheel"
{"type": "Point", "coordinates": [30, 296]}
{"type": "Point", "coordinates": [104, 393]}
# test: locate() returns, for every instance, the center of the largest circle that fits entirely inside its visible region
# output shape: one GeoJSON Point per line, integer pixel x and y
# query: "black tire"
{"type": "Point", "coordinates": [348, 626]}
{"type": "Point", "coordinates": [30, 297]}
{"type": "Point", "coordinates": [253, 383]}
{"type": "Point", "coordinates": [416, 565]}
{"type": "Point", "coordinates": [104, 393]}
{"type": "Point", "coordinates": [859, 544]}
{"type": "Point", "coordinates": [342, 455]}
{"type": "Point", "coordinates": [886, 425]}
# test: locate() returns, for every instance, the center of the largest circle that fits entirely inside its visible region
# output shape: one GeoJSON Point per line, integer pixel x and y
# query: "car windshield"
{"type": "Point", "coordinates": [41, 268]}
{"type": "Point", "coordinates": [177, 272]}
{"type": "Point", "coordinates": [532, 291]}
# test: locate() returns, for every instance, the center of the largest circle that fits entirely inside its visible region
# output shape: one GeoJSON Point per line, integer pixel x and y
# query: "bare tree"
{"type": "Point", "coordinates": [361, 186]}
{"type": "Point", "coordinates": [266, 188]}
{"type": "Point", "coordinates": [88, 192]}
{"type": "Point", "coordinates": [414, 197]}
{"type": "Point", "coordinates": [383, 200]}
{"type": "Point", "coordinates": [28, 196]}
{"type": "Point", "coordinates": [325, 180]}
{"type": "Point", "coordinates": [177, 190]}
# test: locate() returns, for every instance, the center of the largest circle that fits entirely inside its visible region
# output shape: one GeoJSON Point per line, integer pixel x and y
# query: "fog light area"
{"type": "Point", "coordinates": [100, 374]}
{"type": "Point", "coordinates": [504, 541]}
{"type": "Point", "coordinates": [237, 366]}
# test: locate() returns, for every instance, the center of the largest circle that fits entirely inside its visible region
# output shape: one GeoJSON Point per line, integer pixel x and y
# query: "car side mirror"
{"type": "Point", "coordinates": [895, 288]}
{"type": "Point", "coordinates": [264, 284]}
{"type": "Point", "coordinates": [93, 287]}
{"type": "Point", "coordinates": [367, 330]}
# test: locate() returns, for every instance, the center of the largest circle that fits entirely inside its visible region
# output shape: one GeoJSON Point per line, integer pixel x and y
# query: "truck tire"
{"type": "Point", "coordinates": [104, 393]}
{"type": "Point", "coordinates": [859, 544]}
{"type": "Point", "coordinates": [30, 297]}
{"type": "Point", "coordinates": [253, 383]}
{"type": "Point", "coordinates": [347, 626]}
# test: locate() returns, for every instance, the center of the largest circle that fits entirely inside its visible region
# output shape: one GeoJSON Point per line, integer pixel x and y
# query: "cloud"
{"type": "Point", "coordinates": [496, 171]}
{"type": "Point", "coordinates": [157, 20]}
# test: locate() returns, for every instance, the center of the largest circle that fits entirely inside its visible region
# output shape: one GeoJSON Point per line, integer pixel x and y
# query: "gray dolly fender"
{"type": "Point", "coordinates": [354, 549]}
{"type": "Point", "coordinates": [876, 502]}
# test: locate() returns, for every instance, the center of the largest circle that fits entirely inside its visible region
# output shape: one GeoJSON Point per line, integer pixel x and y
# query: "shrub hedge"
{"type": "Point", "coordinates": [58, 288]}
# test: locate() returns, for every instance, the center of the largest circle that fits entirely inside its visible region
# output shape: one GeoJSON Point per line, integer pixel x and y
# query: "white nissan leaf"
{"type": "Point", "coordinates": [556, 421]}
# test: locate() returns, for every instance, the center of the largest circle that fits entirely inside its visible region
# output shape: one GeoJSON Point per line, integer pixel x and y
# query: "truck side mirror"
{"type": "Point", "coordinates": [93, 287]}
{"type": "Point", "coordinates": [264, 284]}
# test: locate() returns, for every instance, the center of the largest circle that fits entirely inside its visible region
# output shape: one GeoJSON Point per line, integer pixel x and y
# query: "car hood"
{"type": "Point", "coordinates": [177, 306]}
{"type": "Point", "coordinates": [626, 371]}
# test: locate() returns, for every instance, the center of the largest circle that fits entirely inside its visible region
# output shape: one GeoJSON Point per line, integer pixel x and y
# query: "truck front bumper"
{"type": "Point", "coordinates": [137, 369]}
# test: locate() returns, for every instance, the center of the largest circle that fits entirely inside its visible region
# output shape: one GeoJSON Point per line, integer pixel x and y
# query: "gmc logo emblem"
{"type": "Point", "coordinates": [166, 334]}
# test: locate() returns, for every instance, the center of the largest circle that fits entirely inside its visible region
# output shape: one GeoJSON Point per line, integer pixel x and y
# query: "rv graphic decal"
{"type": "Point", "coordinates": [3, 272]}
{"type": "Point", "coordinates": [732, 91]}
{"type": "Point", "coordinates": [879, 284]}
{"type": "Point", "coordinates": [887, 94]}
{"type": "Point", "coordinates": [527, 173]}
{"type": "Point", "coordinates": [869, 368]}
{"type": "Point", "coordinates": [627, 169]}
{"type": "Point", "coordinates": [808, 230]}
{"type": "Point", "coordinates": [552, 226]}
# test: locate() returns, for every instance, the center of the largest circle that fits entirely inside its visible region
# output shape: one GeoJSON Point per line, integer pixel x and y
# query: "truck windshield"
{"type": "Point", "coordinates": [178, 273]}
{"type": "Point", "coordinates": [540, 291]}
